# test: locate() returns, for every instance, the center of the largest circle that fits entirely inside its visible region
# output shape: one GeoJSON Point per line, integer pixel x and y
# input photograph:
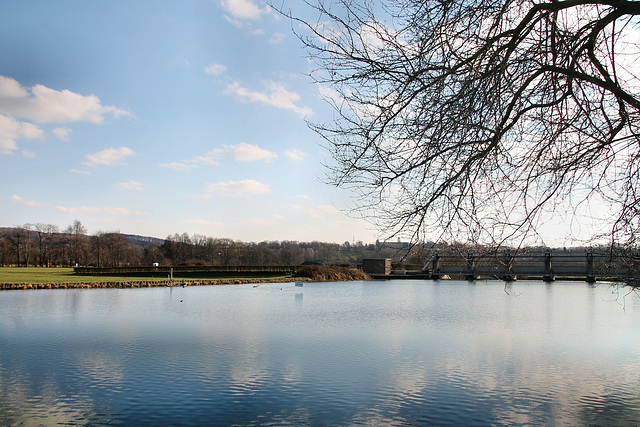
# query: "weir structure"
{"type": "Point", "coordinates": [544, 265]}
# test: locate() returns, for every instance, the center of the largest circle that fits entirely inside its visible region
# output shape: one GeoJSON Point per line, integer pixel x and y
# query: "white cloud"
{"type": "Point", "coordinates": [210, 158]}
{"type": "Point", "coordinates": [77, 209]}
{"type": "Point", "coordinates": [119, 211]}
{"type": "Point", "coordinates": [317, 212]}
{"type": "Point", "coordinates": [179, 166]}
{"type": "Point", "coordinates": [10, 88]}
{"type": "Point", "coordinates": [246, 186]}
{"type": "Point", "coordinates": [63, 134]}
{"type": "Point", "coordinates": [295, 154]}
{"type": "Point", "coordinates": [12, 130]}
{"type": "Point", "coordinates": [7, 146]}
{"type": "Point", "coordinates": [329, 94]}
{"type": "Point", "coordinates": [112, 211]}
{"type": "Point", "coordinates": [244, 9]}
{"type": "Point", "coordinates": [31, 204]}
{"type": "Point", "coordinates": [244, 152]}
{"type": "Point", "coordinates": [44, 105]}
{"type": "Point", "coordinates": [131, 185]}
{"type": "Point", "coordinates": [244, 13]}
{"type": "Point", "coordinates": [215, 69]}
{"type": "Point", "coordinates": [275, 95]}
{"type": "Point", "coordinates": [241, 152]}
{"type": "Point", "coordinates": [109, 157]}
{"type": "Point", "coordinates": [29, 154]}
{"type": "Point", "coordinates": [276, 38]}
{"type": "Point", "coordinates": [81, 172]}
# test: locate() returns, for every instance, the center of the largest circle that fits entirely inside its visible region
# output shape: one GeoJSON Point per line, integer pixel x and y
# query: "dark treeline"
{"type": "Point", "coordinates": [46, 245]}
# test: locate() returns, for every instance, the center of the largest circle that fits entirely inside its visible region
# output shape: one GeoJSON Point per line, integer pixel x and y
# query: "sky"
{"type": "Point", "coordinates": [162, 117]}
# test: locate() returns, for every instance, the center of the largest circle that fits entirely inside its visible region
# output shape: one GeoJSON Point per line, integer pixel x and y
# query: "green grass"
{"type": "Point", "coordinates": [66, 275]}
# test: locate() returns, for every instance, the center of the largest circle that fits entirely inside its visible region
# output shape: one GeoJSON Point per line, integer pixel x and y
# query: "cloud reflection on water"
{"type": "Point", "coordinates": [358, 353]}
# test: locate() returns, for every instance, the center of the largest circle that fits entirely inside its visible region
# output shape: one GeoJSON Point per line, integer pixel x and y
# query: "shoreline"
{"type": "Point", "coordinates": [143, 284]}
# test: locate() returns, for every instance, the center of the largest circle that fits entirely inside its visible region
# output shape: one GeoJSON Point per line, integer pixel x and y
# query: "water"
{"type": "Point", "coordinates": [352, 353]}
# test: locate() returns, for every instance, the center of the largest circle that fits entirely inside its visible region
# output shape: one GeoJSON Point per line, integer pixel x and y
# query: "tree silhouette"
{"type": "Point", "coordinates": [479, 118]}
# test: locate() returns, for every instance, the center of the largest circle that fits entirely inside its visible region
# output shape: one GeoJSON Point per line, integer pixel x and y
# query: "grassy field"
{"type": "Point", "coordinates": [35, 275]}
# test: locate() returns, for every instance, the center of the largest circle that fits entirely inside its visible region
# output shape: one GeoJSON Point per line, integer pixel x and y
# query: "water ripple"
{"type": "Point", "coordinates": [337, 354]}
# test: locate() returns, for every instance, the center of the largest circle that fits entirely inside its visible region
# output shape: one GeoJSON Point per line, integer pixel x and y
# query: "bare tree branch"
{"type": "Point", "coordinates": [474, 118]}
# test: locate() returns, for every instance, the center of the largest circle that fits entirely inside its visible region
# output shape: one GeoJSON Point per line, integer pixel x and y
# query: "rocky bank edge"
{"type": "Point", "coordinates": [307, 274]}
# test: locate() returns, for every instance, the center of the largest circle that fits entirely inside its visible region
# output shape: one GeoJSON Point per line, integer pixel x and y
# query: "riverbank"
{"type": "Point", "coordinates": [139, 284]}
{"type": "Point", "coordinates": [59, 278]}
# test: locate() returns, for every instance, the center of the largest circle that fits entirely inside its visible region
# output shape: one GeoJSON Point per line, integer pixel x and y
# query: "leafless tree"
{"type": "Point", "coordinates": [45, 234]}
{"type": "Point", "coordinates": [17, 237]}
{"type": "Point", "coordinates": [479, 117]}
{"type": "Point", "coordinates": [116, 248]}
{"type": "Point", "coordinates": [77, 234]}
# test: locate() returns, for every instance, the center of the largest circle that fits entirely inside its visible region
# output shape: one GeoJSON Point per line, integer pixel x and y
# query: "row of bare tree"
{"type": "Point", "coordinates": [46, 245]}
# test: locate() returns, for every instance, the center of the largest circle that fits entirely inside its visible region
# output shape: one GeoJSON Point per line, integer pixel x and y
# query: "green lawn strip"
{"type": "Point", "coordinates": [35, 275]}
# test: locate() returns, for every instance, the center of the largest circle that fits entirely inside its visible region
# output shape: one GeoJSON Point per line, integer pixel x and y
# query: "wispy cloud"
{"type": "Point", "coordinates": [29, 203]}
{"type": "Point", "coordinates": [246, 186]}
{"type": "Point", "coordinates": [77, 209]}
{"type": "Point", "coordinates": [63, 134]}
{"type": "Point", "coordinates": [277, 38]}
{"type": "Point", "coordinates": [244, 152]}
{"type": "Point", "coordinates": [111, 211]}
{"type": "Point", "coordinates": [215, 69]}
{"type": "Point", "coordinates": [241, 152]}
{"type": "Point", "coordinates": [12, 130]}
{"type": "Point", "coordinates": [295, 154]}
{"type": "Point", "coordinates": [244, 14]}
{"type": "Point", "coordinates": [124, 212]}
{"type": "Point", "coordinates": [317, 212]}
{"type": "Point", "coordinates": [41, 104]}
{"type": "Point", "coordinates": [180, 166]}
{"type": "Point", "coordinates": [274, 94]}
{"type": "Point", "coordinates": [80, 172]}
{"type": "Point", "coordinates": [205, 223]}
{"type": "Point", "coordinates": [109, 157]}
{"type": "Point", "coordinates": [131, 185]}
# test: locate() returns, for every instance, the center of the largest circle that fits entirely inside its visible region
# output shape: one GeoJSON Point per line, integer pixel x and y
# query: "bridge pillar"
{"type": "Point", "coordinates": [548, 273]}
{"type": "Point", "coordinates": [591, 277]}
{"type": "Point", "coordinates": [471, 266]}
{"type": "Point", "coordinates": [435, 267]}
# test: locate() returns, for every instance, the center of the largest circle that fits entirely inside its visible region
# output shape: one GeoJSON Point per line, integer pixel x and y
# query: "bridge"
{"type": "Point", "coordinates": [546, 265]}
{"type": "Point", "coordinates": [512, 265]}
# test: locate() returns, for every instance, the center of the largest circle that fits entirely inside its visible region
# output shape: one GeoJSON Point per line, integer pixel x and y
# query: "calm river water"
{"type": "Point", "coordinates": [348, 353]}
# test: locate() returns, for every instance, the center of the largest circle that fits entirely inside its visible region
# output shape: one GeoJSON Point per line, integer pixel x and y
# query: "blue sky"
{"type": "Point", "coordinates": [161, 117]}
